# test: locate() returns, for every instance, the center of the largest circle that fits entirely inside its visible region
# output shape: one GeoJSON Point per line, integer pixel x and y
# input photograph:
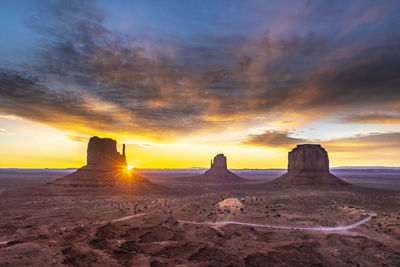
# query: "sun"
{"type": "Point", "coordinates": [127, 170]}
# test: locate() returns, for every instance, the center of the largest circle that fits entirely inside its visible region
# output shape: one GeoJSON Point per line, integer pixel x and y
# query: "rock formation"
{"type": "Point", "coordinates": [308, 165]}
{"type": "Point", "coordinates": [219, 162]}
{"type": "Point", "coordinates": [102, 154]}
{"type": "Point", "coordinates": [308, 158]}
{"type": "Point", "coordinates": [105, 168]}
{"type": "Point", "coordinates": [218, 172]}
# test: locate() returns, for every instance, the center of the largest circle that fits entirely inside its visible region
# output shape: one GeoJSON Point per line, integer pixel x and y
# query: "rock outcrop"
{"type": "Point", "coordinates": [219, 162]}
{"type": "Point", "coordinates": [308, 158]}
{"type": "Point", "coordinates": [105, 168]}
{"type": "Point", "coordinates": [308, 165]}
{"type": "Point", "coordinates": [102, 154]}
{"type": "Point", "coordinates": [218, 172]}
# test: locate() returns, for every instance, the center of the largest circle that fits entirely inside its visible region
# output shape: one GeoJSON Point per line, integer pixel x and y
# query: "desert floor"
{"type": "Point", "coordinates": [42, 225]}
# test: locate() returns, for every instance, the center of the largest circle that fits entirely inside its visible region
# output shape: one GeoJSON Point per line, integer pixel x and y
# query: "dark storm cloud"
{"type": "Point", "coordinates": [72, 110]}
{"type": "Point", "coordinates": [300, 82]}
{"type": "Point", "coordinates": [87, 75]}
{"type": "Point", "coordinates": [371, 77]}
{"type": "Point", "coordinates": [82, 68]}
{"type": "Point", "coordinates": [29, 99]}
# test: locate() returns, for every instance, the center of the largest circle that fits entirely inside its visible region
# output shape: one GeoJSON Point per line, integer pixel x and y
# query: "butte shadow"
{"type": "Point", "coordinates": [106, 169]}
{"type": "Point", "coordinates": [218, 173]}
{"type": "Point", "coordinates": [308, 166]}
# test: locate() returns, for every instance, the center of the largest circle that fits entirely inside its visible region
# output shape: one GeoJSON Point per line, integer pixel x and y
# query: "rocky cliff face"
{"type": "Point", "coordinates": [308, 165]}
{"type": "Point", "coordinates": [219, 162]}
{"type": "Point", "coordinates": [308, 158]}
{"type": "Point", "coordinates": [102, 154]}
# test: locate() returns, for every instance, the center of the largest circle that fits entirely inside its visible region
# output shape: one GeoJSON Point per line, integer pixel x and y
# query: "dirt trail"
{"type": "Point", "coordinates": [316, 228]}
{"type": "Point", "coordinates": [128, 217]}
{"type": "Point", "coordinates": [223, 223]}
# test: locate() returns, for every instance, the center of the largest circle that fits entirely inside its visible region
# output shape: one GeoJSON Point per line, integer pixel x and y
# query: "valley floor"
{"type": "Point", "coordinates": [47, 226]}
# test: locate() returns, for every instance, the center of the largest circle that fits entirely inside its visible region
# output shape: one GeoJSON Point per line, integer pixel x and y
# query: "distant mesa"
{"type": "Point", "coordinates": [105, 168]}
{"type": "Point", "coordinates": [308, 165]}
{"type": "Point", "coordinates": [218, 172]}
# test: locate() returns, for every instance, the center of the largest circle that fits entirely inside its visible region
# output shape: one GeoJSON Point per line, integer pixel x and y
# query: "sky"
{"type": "Point", "coordinates": [181, 81]}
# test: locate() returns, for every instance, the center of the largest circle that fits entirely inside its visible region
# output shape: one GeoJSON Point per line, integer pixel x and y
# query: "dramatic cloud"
{"type": "Point", "coordinates": [89, 75]}
{"type": "Point", "coordinates": [362, 142]}
{"type": "Point", "coordinates": [369, 142]}
{"type": "Point", "coordinates": [374, 118]}
{"type": "Point", "coordinates": [273, 139]}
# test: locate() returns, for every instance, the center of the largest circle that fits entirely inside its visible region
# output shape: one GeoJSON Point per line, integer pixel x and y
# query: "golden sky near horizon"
{"type": "Point", "coordinates": [32, 145]}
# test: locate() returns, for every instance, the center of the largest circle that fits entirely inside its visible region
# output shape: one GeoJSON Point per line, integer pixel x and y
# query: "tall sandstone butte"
{"type": "Point", "coordinates": [105, 168]}
{"type": "Point", "coordinates": [102, 154]}
{"type": "Point", "coordinates": [308, 164]}
{"type": "Point", "coordinates": [219, 162]}
{"type": "Point", "coordinates": [219, 172]}
{"type": "Point", "coordinates": [308, 158]}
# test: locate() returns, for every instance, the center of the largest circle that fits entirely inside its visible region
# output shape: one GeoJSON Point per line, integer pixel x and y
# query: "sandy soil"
{"type": "Point", "coordinates": [43, 226]}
